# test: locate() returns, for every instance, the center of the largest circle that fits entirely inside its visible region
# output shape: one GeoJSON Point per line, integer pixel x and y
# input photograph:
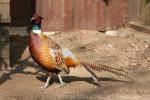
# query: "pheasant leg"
{"type": "Point", "coordinates": [47, 82]}
{"type": "Point", "coordinates": [62, 83]}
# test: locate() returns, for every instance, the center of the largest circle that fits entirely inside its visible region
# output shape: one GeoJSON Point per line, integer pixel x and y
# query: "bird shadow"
{"type": "Point", "coordinates": [21, 65]}
{"type": "Point", "coordinates": [2, 59]}
{"type": "Point", "coordinates": [18, 44]}
{"type": "Point", "coordinates": [4, 42]}
{"type": "Point", "coordinates": [17, 41]}
{"type": "Point", "coordinates": [15, 56]}
{"type": "Point", "coordinates": [70, 79]}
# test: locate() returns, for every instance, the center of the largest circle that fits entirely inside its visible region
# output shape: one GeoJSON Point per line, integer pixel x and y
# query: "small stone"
{"type": "Point", "coordinates": [111, 33]}
{"type": "Point", "coordinates": [49, 33]}
{"type": "Point", "coordinates": [95, 50]}
{"type": "Point", "coordinates": [110, 45]}
{"type": "Point", "coordinates": [123, 33]}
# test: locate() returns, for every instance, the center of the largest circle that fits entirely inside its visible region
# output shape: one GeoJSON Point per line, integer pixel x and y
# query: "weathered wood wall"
{"type": "Point", "coordinates": [145, 12]}
{"type": "Point", "coordinates": [63, 15]}
{"type": "Point", "coordinates": [4, 11]}
{"type": "Point", "coordinates": [139, 11]}
{"type": "Point", "coordinates": [21, 11]}
{"type": "Point", "coordinates": [82, 14]}
{"type": "Point", "coordinates": [134, 10]}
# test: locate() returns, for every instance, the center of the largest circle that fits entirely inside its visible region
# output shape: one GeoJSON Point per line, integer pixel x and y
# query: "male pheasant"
{"type": "Point", "coordinates": [54, 59]}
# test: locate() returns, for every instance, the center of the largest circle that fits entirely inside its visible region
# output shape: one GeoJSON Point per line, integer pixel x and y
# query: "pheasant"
{"type": "Point", "coordinates": [55, 59]}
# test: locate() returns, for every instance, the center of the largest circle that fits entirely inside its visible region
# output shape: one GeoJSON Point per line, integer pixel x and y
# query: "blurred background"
{"type": "Point", "coordinates": [14, 23]}
{"type": "Point", "coordinates": [98, 15]}
{"type": "Point", "coordinates": [4, 33]}
{"type": "Point", "coordinates": [110, 32]}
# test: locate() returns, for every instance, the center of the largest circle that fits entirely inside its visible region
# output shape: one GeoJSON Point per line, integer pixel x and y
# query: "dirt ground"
{"type": "Point", "coordinates": [128, 49]}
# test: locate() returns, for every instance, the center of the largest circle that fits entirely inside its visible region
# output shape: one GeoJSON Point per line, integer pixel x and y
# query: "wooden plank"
{"type": "Point", "coordinates": [134, 10]}
{"type": "Point", "coordinates": [119, 13]}
{"type": "Point", "coordinates": [145, 12]}
{"type": "Point", "coordinates": [59, 14]}
{"type": "Point", "coordinates": [5, 1]}
{"type": "Point", "coordinates": [52, 11]}
{"type": "Point", "coordinates": [139, 27]}
{"type": "Point", "coordinates": [68, 15]}
{"type": "Point", "coordinates": [85, 14]}
{"type": "Point", "coordinates": [78, 14]}
{"type": "Point", "coordinates": [116, 13]}
{"type": "Point", "coordinates": [108, 16]}
{"type": "Point", "coordinates": [100, 15]}
{"type": "Point", "coordinates": [38, 7]}
{"type": "Point", "coordinates": [56, 20]}
{"type": "Point", "coordinates": [82, 14]}
{"type": "Point", "coordinates": [45, 4]}
{"type": "Point", "coordinates": [91, 14]}
{"type": "Point", "coordinates": [4, 12]}
{"type": "Point", "coordinates": [21, 12]}
{"type": "Point", "coordinates": [59, 11]}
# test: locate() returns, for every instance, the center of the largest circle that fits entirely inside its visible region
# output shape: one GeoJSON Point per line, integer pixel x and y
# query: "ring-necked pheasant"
{"type": "Point", "coordinates": [55, 59]}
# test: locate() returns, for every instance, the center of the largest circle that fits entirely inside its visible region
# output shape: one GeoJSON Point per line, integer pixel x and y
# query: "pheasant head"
{"type": "Point", "coordinates": [36, 23]}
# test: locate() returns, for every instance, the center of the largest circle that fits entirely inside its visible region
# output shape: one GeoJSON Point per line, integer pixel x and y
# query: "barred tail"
{"type": "Point", "coordinates": [100, 67]}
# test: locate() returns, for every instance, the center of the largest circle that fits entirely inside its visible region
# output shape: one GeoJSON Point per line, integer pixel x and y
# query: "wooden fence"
{"type": "Point", "coordinates": [60, 15]}
{"type": "Point", "coordinates": [97, 15]}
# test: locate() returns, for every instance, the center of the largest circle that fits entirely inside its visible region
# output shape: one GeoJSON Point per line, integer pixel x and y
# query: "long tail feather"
{"type": "Point", "coordinates": [95, 78]}
{"type": "Point", "coordinates": [100, 67]}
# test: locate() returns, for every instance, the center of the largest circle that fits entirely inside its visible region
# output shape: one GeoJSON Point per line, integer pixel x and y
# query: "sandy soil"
{"type": "Point", "coordinates": [129, 50]}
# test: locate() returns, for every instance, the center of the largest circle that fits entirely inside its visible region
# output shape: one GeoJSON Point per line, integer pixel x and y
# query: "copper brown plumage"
{"type": "Point", "coordinates": [55, 59]}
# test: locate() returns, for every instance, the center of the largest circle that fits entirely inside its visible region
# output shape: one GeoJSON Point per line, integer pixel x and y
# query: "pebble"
{"type": "Point", "coordinates": [111, 33]}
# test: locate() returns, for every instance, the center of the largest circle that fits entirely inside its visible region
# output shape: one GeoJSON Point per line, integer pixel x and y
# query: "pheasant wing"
{"type": "Point", "coordinates": [56, 53]}
{"type": "Point", "coordinates": [59, 59]}
{"type": "Point", "coordinates": [52, 44]}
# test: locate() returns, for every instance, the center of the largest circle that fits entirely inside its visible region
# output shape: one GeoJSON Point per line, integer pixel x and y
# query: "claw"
{"type": "Point", "coordinates": [43, 87]}
{"type": "Point", "coordinates": [61, 86]}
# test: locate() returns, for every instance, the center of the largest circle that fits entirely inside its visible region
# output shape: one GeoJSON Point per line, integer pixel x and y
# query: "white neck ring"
{"type": "Point", "coordinates": [37, 31]}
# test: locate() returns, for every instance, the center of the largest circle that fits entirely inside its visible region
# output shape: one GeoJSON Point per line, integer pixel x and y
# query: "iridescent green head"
{"type": "Point", "coordinates": [36, 22]}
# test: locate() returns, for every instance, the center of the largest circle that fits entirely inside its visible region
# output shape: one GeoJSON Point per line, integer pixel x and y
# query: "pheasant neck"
{"type": "Point", "coordinates": [36, 29]}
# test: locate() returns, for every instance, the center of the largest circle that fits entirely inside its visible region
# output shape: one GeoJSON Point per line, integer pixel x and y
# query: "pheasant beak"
{"type": "Point", "coordinates": [33, 18]}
